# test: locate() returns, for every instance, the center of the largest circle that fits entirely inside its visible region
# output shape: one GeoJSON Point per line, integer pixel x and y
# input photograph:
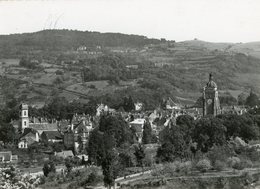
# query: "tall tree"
{"type": "Point", "coordinates": [110, 167]}
{"type": "Point", "coordinates": [252, 100]}
{"type": "Point", "coordinates": [111, 133]}
{"type": "Point", "coordinates": [7, 133]}
{"type": "Point", "coordinates": [147, 133]}
{"type": "Point", "coordinates": [139, 154]}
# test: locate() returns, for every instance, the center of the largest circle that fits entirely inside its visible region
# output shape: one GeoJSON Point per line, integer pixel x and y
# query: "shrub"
{"type": "Point", "coordinates": [92, 86]}
{"type": "Point", "coordinates": [203, 165]}
{"type": "Point", "coordinates": [185, 167]}
{"type": "Point", "coordinates": [248, 177]}
{"type": "Point", "coordinates": [169, 169]}
{"type": "Point", "coordinates": [59, 72]}
{"type": "Point", "coordinates": [48, 167]}
{"type": "Point", "coordinates": [158, 170]}
{"type": "Point", "coordinates": [247, 163]}
{"type": "Point", "coordinates": [243, 164]}
{"type": "Point", "coordinates": [13, 178]}
{"type": "Point", "coordinates": [178, 166]}
{"type": "Point", "coordinates": [233, 162]}
{"type": "Point", "coordinates": [219, 165]}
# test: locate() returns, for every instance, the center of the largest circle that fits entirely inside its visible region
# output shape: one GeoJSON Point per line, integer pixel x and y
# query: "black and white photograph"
{"type": "Point", "coordinates": [129, 94]}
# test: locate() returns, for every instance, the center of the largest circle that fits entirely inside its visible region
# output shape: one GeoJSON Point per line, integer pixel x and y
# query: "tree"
{"type": "Point", "coordinates": [187, 125]}
{"type": "Point", "coordinates": [128, 104]}
{"type": "Point", "coordinates": [7, 132]}
{"type": "Point", "coordinates": [109, 167]}
{"type": "Point", "coordinates": [57, 108]}
{"type": "Point", "coordinates": [147, 133]}
{"type": "Point", "coordinates": [96, 147]}
{"type": "Point", "coordinates": [241, 99]}
{"type": "Point", "coordinates": [244, 126]}
{"type": "Point", "coordinates": [126, 156]}
{"type": "Point", "coordinates": [165, 152]}
{"type": "Point", "coordinates": [69, 164]}
{"type": "Point", "coordinates": [175, 144]}
{"type": "Point", "coordinates": [111, 134]}
{"type": "Point", "coordinates": [209, 131]}
{"type": "Point", "coordinates": [139, 154]}
{"type": "Point", "coordinates": [48, 167]}
{"type": "Point", "coordinates": [252, 100]}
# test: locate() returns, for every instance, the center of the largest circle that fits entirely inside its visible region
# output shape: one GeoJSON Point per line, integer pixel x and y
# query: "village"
{"type": "Point", "coordinates": [72, 136]}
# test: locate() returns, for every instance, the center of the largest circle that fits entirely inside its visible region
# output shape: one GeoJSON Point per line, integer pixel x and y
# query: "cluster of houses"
{"type": "Point", "coordinates": [41, 130]}
{"type": "Point", "coordinates": [74, 133]}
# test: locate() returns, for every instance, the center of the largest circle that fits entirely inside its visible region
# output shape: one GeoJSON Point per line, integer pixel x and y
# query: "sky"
{"type": "Point", "coordinates": [208, 20]}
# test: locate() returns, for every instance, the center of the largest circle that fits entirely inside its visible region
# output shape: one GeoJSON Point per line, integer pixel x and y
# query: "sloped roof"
{"type": "Point", "coordinates": [171, 103]}
{"type": "Point", "coordinates": [138, 121]}
{"type": "Point", "coordinates": [65, 154]}
{"type": "Point", "coordinates": [44, 126]}
{"type": "Point", "coordinates": [52, 134]}
{"type": "Point", "coordinates": [26, 132]}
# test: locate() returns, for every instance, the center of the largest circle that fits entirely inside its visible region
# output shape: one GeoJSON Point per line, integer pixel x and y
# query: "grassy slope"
{"type": "Point", "coordinates": [190, 62]}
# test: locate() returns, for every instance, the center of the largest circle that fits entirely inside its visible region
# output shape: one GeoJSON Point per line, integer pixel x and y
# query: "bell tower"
{"type": "Point", "coordinates": [24, 117]}
{"type": "Point", "coordinates": [211, 105]}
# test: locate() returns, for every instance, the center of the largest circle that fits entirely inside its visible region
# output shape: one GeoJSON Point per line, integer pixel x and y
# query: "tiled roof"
{"type": "Point", "coordinates": [65, 154]}
{"type": "Point", "coordinates": [52, 134]}
{"type": "Point", "coordinates": [44, 126]}
{"type": "Point", "coordinates": [26, 132]}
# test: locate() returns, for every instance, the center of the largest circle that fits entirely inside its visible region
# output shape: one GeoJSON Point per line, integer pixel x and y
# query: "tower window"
{"type": "Point", "coordinates": [24, 123]}
{"type": "Point", "coordinates": [24, 113]}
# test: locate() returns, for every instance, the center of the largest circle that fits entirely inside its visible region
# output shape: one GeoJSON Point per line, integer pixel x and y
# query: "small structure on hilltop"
{"type": "Point", "coordinates": [211, 105]}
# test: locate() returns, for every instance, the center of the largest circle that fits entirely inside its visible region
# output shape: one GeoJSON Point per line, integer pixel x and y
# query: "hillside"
{"type": "Point", "coordinates": [93, 66]}
{"type": "Point", "coordinates": [60, 40]}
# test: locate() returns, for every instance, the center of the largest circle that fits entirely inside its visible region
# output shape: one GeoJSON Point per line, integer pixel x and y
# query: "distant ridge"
{"type": "Point", "coordinates": [66, 39]}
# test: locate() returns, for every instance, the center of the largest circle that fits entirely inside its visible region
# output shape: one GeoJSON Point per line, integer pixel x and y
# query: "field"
{"type": "Point", "coordinates": [172, 69]}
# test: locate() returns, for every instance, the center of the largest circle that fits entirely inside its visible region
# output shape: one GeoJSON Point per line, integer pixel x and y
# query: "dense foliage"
{"type": "Point", "coordinates": [105, 142]}
{"type": "Point", "coordinates": [188, 137]}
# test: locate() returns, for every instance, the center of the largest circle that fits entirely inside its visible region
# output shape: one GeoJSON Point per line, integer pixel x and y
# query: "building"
{"type": "Point", "coordinates": [51, 136]}
{"type": "Point", "coordinates": [64, 154]}
{"type": "Point", "coordinates": [24, 117]}
{"type": "Point", "coordinates": [77, 133]}
{"type": "Point", "coordinates": [28, 137]}
{"type": "Point", "coordinates": [138, 125]}
{"type": "Point", "coordinates": [31, 129]}
{"type": "Point", "coordinates": [101, 108]}
{"type": "Point", "coordinates": [211, 105]}
{"type": "Point", "coordinates": [171, 105]}
{"type": "Point", "coordinates": [7, 157]}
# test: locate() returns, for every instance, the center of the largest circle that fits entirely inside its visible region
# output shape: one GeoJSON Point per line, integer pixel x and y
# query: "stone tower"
{"type": "Point", "coordinates": [211, 105]}
{"type": "Point", "coordinates": [24, 117]}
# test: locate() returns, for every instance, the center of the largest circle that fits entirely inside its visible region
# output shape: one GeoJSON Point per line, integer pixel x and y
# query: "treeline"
{"type": "Point", "coordinates": [209, 141]}
{"type": "Point", "coordinates": [186, 138]}
{"type": "Point", "coordinates": [68, 39]}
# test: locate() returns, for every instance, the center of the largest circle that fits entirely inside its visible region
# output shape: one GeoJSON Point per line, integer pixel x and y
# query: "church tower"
{"type": "Point", "coordinates": [211, 105]}
{"type": "Point", "coordinates": [24, 117]}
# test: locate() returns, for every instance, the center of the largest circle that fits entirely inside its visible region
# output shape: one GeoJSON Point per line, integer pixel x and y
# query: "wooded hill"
{"type": "Point", "coordinates": [161, 68]}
